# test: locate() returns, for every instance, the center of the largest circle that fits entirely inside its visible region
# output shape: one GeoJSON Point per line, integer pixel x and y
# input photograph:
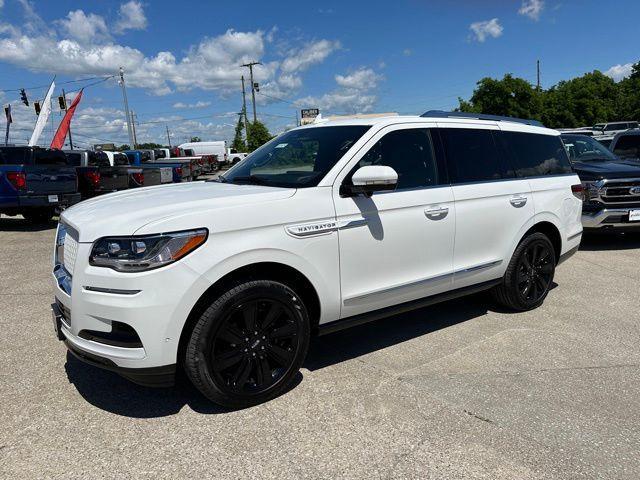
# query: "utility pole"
{"type": "Point", "coordinates": [133, 125]}
{"type": "Point", "coordinates": [538, 72]}
{"type": "Point", "coordinates": [297, 121]}
{"type": "Point", "coordinates": [64, 95]}
{"type": "Point", "coordinates": [168, 136]}
{"type": "Point", "coordinates": [126, 106]}
{"type": "Point", "coordinates": [244, 112]}
{"type": "Point", "coordinates": [253, 89]}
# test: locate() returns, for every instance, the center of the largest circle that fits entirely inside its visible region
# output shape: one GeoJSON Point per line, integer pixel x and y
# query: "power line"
{"type": "Point", "coordinates": [59, 83]}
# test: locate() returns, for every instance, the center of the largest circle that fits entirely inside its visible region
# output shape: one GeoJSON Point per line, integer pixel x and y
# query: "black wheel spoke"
{"type": "Point", "coordinates": [275, 310]}
{"type": "Point", "coordinates": [263, 372]}
{"type": "Point", "coordinates": [541, 283]}
{"type": "Point", "coordinates": [249, 314]}
{"type": "Point", "coordinates": [547, 268]}
{"type": "Point", "coordinates": [242, 374]}
{"type": "Point", "coordinates": [227, 359]}
{"type": "Point", "coordinates": [527, 287]}
{"type": "Point", "coordinates": [231, 335]}
{"type": "Point", "coordinates": [280, 355]}
{"type": "Point", "coordinates": [286, 331]}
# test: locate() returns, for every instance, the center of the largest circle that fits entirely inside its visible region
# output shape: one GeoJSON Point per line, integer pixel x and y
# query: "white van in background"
{"type": "Point", "coordinates": [218, 148]}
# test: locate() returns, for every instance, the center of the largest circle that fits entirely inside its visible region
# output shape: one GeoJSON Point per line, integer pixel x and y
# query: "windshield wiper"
{"type": "Point", "coordinates": [253, 179]}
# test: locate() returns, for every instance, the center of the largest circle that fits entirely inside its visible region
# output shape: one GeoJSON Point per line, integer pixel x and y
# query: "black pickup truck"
{"type": "Point", "coordinates": [36, 182]}
{"type": "Point", "coordinates": [611, 184]}
{"type": "Point", "coordinates": [96, 175]}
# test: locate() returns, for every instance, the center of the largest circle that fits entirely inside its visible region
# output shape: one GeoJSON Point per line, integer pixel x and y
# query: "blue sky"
{"type": "Point", "coordinates": [182, 59]}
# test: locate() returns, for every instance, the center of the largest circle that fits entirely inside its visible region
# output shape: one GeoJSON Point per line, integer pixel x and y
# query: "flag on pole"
{"type": "Point", "coordinates": [7, 112]}
{"type": "Point", "coordinates": [43, 117]}
{"type": "Point", "coordinates": [63, 129]}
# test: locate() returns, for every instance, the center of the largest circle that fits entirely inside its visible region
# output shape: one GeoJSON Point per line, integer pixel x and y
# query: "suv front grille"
{"type": "Point", "coordinates": [617, 192]}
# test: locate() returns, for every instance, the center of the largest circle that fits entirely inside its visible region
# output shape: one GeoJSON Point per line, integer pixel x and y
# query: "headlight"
{"type": "Point", "coordinates": [145, 252]}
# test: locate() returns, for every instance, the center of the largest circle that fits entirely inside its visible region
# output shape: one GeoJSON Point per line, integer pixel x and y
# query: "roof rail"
{"type": "Point", "coordinates": [480, 116]}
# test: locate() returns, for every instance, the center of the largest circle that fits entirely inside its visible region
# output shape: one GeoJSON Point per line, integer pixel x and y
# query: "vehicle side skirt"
{"type": "Point", "coordinates": [367, 317]}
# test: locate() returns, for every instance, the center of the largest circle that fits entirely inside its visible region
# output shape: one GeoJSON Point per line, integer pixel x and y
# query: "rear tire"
{"type": "Point", "coordinates": [249, 345]}
{"type": "Point", "coordinates": [40, 216]}
{"type": "Point", "coordinates": [529, 275]}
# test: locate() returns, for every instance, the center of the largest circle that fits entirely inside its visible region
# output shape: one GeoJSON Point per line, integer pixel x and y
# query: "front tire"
{"type": "Point", "coordinates": [249, 345]}
{"type": "Point", "coordinates": [529, 275]}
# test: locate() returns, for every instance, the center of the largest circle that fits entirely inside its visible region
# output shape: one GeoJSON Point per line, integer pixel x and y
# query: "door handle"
{"type": "Point", "coordinates": [518, 202]}
{"type": "Point", "coordinates": [436, 213]}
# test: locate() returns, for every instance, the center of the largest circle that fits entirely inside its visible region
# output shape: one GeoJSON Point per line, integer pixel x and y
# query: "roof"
{"type": "Point", "coordinates": [398, 119]}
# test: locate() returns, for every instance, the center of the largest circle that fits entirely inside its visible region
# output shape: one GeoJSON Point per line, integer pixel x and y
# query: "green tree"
{"type": "Point", "coordinates": [258, 135]}
{"type": "Point", "coordinates": [195, 139]}
{"type": "Point", "coordinates": [510, 96]}
{"type": "Point", "coordinates": [238, 142]}
{"type": "Point", "coordinates": [124, 147]}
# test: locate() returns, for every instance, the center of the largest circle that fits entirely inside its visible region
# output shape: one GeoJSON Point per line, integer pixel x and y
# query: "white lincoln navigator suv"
{"type": "Point", "coordinates": [325, 226]}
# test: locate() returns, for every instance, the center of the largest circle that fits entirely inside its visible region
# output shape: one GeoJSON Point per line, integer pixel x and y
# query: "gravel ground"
{"type": "Point", "coordinates": [458, 390]}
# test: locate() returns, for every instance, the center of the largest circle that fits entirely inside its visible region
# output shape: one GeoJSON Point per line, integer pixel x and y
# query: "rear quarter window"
{"type": "Point", "coordinates": [535, 155]}
{"type": "Point", "coordinates": [473, 155]}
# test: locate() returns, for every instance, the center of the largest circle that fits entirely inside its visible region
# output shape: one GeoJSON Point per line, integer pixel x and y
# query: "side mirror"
{"type": "Point", "coordinates": [370, 179]}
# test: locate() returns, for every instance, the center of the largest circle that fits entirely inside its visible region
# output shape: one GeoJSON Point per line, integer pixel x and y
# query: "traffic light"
{"type": "Point", "coordinates": [256, 86]}
{"type": "Point", "coordinates": [63, 102]}
{"type": "Point", "coordinates": [23, 97]}
{"type": "Point", "coordinates": [37, 107]}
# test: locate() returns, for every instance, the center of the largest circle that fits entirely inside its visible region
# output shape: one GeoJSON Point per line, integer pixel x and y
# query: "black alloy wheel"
{"type": "Point", "coordinates": [249, 344]}
{"type": "Point", "coordinates": [529, 275]}
{"type": "Point", "coordinates": [254, 346]}
{"type": "Point", "coordinates": [535, 271]}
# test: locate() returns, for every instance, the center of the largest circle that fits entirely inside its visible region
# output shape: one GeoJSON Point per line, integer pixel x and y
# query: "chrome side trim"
{"type": "Point", "coordinates": [424, 281]}
{"type": "Point", "coordinates": [481, 266]}
{"type": "Point", "coordinates": [114, 291]}
{"type": "Point", "coordinates": [312, 229]}
{"type": "Point", "coordinates": [324, 227]}
{"type": "Point", "coordinates": [361, 222]}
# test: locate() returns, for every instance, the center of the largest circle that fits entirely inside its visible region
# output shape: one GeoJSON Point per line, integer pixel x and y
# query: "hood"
{"type": "Point", "coordinates": [598, 170]}
{"type": "Point", "coordinates": [122, 213]}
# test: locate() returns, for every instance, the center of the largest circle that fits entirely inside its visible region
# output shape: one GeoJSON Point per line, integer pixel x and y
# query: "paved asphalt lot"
{"type": "Point", "coordinates": [459, 390]}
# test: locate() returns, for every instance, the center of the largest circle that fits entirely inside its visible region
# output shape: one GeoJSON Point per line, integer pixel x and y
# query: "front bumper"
{"type": "Point", "coordinates": [102, 356]}
{"type": "Point", "coordinates": [609, 218]}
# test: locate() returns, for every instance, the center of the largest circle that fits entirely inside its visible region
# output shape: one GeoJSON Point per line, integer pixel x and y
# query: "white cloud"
{"type": "Point", "coordinates": [361, 79]}
{"type": "Point", "coordinates": [531, 9]}
{"type": "Point", "coordinates": [487, 28]}
{"type": "Point", "coordinates": [312, 53]}
{"type": "Point", "coordinates": [198, 104]}
{"type": "Point", "coordinates": [618, 72]}
{"type": "Point", "coordinates": [83, 27]}
{"type": "Point", "coordinates": [131, 17]}
{"type": "Point", "coordinates": [355, 93]}
{"type": "Point", "coordinates": [407, 52]}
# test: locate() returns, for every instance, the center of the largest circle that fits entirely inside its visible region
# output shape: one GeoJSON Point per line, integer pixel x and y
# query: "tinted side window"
{"type": "Point", "coordinates": [628, 146]}
{"type": "Point", "coordinates": [120, 159]}
{"type": "Point", "coordinates": [74, 159]}
{"type": "Point", "coordinates": [473, 156]}
{"type": "Point", "coordinates": [49, 157]}
{"type": "Point", "coordinates": [98, 159]}
{"type": "Point", "coordinates": [410, 153]}
{"type": "Point", "coordinates": [535, 155]}
{"type": "Point", "coordinates": [11, 155]}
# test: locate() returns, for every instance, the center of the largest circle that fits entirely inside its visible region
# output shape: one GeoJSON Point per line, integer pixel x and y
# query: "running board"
{"type": "Point", "coordinates": [363, 318]}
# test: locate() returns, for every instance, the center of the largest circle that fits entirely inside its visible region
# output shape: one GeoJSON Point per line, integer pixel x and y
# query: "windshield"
{"type": "Point", "coordinates": [585, 149]}
{"type": "Point", "coordinates": [298, 158]}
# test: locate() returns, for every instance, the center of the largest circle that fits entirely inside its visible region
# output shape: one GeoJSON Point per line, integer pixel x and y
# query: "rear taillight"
{"type": "Point", "coordinates": [179, 171]}
{"type": "Point", "coordinates": [18, 180]}
{"type": "Point", "coordinates": [93, 178]}
{"type": "Point", "coordinates": [578, 191]}
{"type": "Point", "coordinates": [138, 177]}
